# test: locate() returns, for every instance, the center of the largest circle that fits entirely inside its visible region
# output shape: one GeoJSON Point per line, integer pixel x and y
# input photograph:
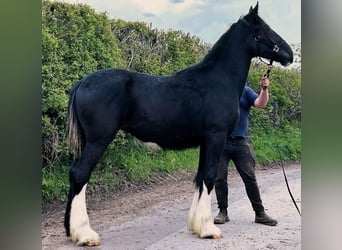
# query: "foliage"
{"type": "Point", "coordinates": [154, 51]}
{"type": "Point", "coordinates": [275, 145]}
{"type": "Point", "coordinates": [284, 105]}
{"type": "Point", "coordinates": [77, 41]}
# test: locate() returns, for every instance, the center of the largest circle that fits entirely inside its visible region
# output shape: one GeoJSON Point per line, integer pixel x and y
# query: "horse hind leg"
{"type": "Point", "coordinates": [76, 218]}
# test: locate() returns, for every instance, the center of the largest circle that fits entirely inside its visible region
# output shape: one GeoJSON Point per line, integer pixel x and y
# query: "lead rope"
{"type": "Point", "coordinates": [267, 74]}
{"type": "Point", "coordinates": [287, 184]}
{"type": "Point", "coordinates": [270, 66]}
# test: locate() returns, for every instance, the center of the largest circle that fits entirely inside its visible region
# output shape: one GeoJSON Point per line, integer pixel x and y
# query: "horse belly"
{"type": "Point", "coordinates": [178, 142]}
{"type": "Point", "coordinates": [167, 138]}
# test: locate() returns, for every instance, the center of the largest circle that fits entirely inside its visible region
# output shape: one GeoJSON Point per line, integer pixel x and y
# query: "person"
{"type": "Point", "coordinates": [239, 149]}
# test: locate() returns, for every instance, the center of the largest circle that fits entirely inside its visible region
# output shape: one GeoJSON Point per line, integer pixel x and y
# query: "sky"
{"type": "Point", "coordinates": [207, 19]}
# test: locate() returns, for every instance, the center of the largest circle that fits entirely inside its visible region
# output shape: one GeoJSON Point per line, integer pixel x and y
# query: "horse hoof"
{"type": "Point", "coordinates": [211, 236]}
{"type": "Point", "coordinates": [210, 231]}
{"type": "Point", "coordinates": [88, 238]}
{"type": "Point", "coordinates": [91, 243]}
{"type": "Point", "coordinates": [217, 236]}
{"type": "Point", "coordinates": [88, 242]}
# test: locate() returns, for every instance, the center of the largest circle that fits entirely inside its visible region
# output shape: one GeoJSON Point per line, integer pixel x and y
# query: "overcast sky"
{"type": "Point", "coordinates": [207, 19]}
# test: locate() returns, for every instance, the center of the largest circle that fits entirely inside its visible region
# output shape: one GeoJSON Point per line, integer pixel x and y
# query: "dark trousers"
{"type": "Point", "coordinates": [241, 152]}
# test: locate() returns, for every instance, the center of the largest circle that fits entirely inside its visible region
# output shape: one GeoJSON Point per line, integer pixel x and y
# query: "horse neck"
{"type": "Point", "coordinates": [230, 56]}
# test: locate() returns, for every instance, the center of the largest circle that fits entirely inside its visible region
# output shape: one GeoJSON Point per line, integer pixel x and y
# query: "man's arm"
{"type": "Point", "coordinates": [262, 99]}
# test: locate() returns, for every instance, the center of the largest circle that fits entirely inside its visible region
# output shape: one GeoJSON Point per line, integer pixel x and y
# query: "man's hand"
{"type": "Point", "coordinates": [264, 83]}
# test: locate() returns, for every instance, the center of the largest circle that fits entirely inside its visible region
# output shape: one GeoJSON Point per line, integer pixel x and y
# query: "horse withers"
{"type": "Point", "coordinates": [198, 106]}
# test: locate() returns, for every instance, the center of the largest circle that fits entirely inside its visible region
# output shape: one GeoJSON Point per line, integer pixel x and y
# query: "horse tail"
{"type": "Point", "coordinates": [75, 135]}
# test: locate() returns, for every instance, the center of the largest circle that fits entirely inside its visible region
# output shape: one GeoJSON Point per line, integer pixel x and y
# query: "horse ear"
{"type": "Point", "coordinates": [255, 9]}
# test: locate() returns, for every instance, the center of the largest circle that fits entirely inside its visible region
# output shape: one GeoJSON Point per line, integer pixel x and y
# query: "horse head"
{"type": "Point", "coordinates": [266, 42]}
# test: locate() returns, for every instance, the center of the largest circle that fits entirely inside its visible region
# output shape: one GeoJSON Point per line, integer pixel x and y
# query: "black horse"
{"type": "Point", "coordinates": [198, 106]}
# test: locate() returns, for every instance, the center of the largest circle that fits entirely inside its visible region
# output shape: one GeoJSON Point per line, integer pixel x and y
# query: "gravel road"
{"type": "Point", "coordinates": [154, 217]}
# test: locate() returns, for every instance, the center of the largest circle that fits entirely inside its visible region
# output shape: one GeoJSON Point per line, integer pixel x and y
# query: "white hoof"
{"type": "Point", "coordinates": [85, 236]}
{"type": "Point", "coordinates": [209, 230]}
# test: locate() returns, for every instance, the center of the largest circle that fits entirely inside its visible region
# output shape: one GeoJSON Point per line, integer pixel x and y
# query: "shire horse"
{"type": "Point", "coordinates": [197, 106]}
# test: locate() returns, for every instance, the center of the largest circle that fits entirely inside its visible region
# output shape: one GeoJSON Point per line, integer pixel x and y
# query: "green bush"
{"type": "Point", "coordinates": [75, 41]}
{"type": "Point", "coordinates": [154, 51]}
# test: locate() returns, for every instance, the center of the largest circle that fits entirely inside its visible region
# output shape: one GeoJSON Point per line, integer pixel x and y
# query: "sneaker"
{"type": "Point", "coordinates": [263, 218]}
{"type": "Point", "coordinates": [221, 218]}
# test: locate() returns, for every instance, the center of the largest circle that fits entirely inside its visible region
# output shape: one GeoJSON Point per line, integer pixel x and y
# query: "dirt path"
{"type": "Point", "coordinates": [154, 217]}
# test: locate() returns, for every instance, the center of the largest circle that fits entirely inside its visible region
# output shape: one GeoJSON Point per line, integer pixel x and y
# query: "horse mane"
{"type": "Point", "coordinates": [212, 56]}
{"type": "Point", "coordinates": [216, 50]}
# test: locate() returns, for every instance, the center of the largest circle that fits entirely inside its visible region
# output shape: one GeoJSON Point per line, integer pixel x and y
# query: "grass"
{"type": "Point", "coordinates": [54, 183]}
{"type": "Point", "coordinates": [135, 163]}
{"type": "Point", "coordinates": [119, 164]}
{"type": "Point", "coordinates": [139, 162]}
{"type": "Point", "coordinates": [275, 145]}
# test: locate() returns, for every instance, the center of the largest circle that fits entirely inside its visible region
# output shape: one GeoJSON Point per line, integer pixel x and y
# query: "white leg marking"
{"type": "Point", "coordinates": [191, 221]}
{"type": "Point", "coordinates": [80, 230]}
{"type": "Point", "coordinates": [200, 219]}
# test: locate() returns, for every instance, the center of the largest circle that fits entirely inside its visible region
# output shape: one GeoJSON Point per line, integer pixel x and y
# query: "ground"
{"type": "Point", "coordinates": [154, 215]}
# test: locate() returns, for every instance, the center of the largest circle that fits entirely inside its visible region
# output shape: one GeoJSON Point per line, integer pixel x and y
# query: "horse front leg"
{"type": "Point", "coordinates": [200, 219]}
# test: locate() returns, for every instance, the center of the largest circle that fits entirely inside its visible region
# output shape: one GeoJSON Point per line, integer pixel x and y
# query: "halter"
{"type": "Point", "coordinates": [267, 42]}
